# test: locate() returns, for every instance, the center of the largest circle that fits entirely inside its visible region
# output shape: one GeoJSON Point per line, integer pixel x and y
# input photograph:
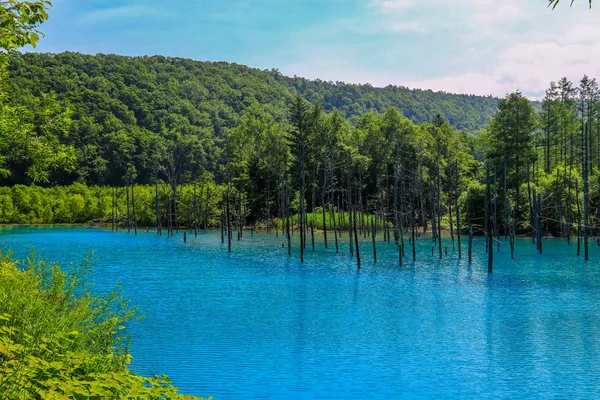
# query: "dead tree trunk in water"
{"type": "Point", "coordinates": [413, 213]}
{"type": "Point", "coordinates": [539, 223]}
{"type": "Point", "coordinates": [578, 217]}
{"type": "Point", "coordinates": [423, 214]}
{"type": "Point", "coordinates": [323, 204]}
{"type": "Point", "coordinates": [439, 211]}
{"type": "Point", "coordinates": [434, 230]}
{"type": "Point", "coordinates": [112, 195]}
{"type": "Point", "coordinates": [360, 205]}
{"type": "Point", "coordinates": [490, 237]}
{"type": "Point", "coordinates": [373, 235]}
{"type": "Point", "coordinates": [222, 225]}
{"type": "Point", "coordinates": [228, 218]}
{"type": "Point", "coordinates": [158, 221]}
{"type": "Point", "coordinates": [396, 172]}
{"type": "Point", "coordinates": [402, 195]}
{"type": "Point", "coordinates": [287, 221]}
{"type": "Point", "coordinates": [127, 201]}
{"type": "Point", "coordinates": [456, 193]}
{"type": "Point", "coordinates": [332, 203]}
{"type": "Point", "coordinates": [356, 240]}
{"type": "Point", "coordinates": [195, 210]}
{"type": "Point", "coordinates": [586, 214]}
{"type": "Point", "coordinates": [349, 208]}
{"type": "Point", "coordinates": [134, 213]}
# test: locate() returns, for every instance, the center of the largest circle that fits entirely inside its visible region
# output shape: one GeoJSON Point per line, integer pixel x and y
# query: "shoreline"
{"type": "Point", "coordinates": [262, 228]}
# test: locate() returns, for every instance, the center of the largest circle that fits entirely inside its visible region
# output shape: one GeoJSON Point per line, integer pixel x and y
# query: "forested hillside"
{"type": "Point", "coordinates": [117, 111]}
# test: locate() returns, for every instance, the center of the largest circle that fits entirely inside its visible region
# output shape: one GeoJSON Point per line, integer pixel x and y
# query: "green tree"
{"type": "Point", "coordinates": [299, 140]}
{"type": "Point", "coordinates": [510, 140]}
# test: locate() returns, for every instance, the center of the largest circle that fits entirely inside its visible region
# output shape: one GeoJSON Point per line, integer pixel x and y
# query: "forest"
{"type": "Point", "coordinates": [154, 141]}
{"type": "Point", "coordinates": [116, 112]}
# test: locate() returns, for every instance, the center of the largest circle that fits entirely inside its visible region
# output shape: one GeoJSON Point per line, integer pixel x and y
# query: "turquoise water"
{"type": "Point", "coordinates": [258, 324]}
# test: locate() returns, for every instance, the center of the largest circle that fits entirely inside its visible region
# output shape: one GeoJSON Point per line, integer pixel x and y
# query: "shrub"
{"type": "Point", "coordinates": [58, 341]}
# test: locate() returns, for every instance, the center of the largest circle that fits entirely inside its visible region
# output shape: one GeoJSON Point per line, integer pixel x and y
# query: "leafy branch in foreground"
{"type": "Point", "coordinates": [554, 3]}
{"type": "Point", "coordinates": [58, 341]}
{"type": "Point", "coordinates": [19, 20]}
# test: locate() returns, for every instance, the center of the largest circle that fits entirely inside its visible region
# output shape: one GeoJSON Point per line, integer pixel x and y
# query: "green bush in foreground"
{"type": "Point", "coordinates": [58, 341]}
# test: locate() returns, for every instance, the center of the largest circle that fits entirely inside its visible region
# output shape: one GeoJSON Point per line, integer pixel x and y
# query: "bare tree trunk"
{"type": "Point", "coordinates": [113, 198]}
{"type": "Point", "coordinates": [228, 218]}
{"type": "Point", "coordinates": [349, 207]}
{"type": "Point", "coordinates": [360, 204]}
{"type": "Point", "coordinates": [133, 206]}
{"type": "Point", "coordinates": [434, 231]}
{"type": "Point", "coordinates": [456, 189]}
{"type": "Point", "coordinates": [586, 214]}
{"type": "Point", "coordinates": [578, 218]}
{"type": "Point", "coordinates": [423, 214]}
{"type": "Point", "coordinates": [332, 202]}
{"type": "Point", "coordinates": [195, 210]}
{"type": "Point", "coordinates": [490, 238]}
{"type": "Point", "coordinates": [175, 219]}
{"type": "Point", "coordinates": [287, 221]}
{"type": "Point", "coordinates": [396, 172]}
{"type": "Point", "coordinates": [531, 222]}
{"type": "Point", "coordinates": [402, 194]}
{"type": "Point", "coordinates": [323, 204]}
{"type": "Point", "coordinates": [158, 221]}
{"type": "Point", "coordinates": [495, 219]}
{"type": "Point", "coordinates": [356, 240]}
{"type": "Point", "coordinates": [127, 200]}
{"type": "Point", "coordinates": [506, 223]}
{"type": "Point", "coordinates": [439, 211]}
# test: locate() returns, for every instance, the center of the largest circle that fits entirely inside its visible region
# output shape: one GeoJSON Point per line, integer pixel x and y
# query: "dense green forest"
{"type": "Point", "coordinates": [220, 144]}
{"type": "Point", "coordinates": [118, 111]}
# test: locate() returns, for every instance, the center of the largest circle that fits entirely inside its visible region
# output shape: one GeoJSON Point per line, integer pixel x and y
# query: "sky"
{"type": "Point", "coordinates": [483, 47]}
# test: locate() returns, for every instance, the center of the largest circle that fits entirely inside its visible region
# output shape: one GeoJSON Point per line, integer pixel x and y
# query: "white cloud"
{"type": "Point", "coordinates": [511, 44]}
{"type": "Point", "coordinates": [463, 46]}
{"type": "Point", "coordinates": [468, 83]}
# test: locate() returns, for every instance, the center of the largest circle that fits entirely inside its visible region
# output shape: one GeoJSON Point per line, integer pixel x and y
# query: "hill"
{"type": "Point", "coordinates": [117, 103]}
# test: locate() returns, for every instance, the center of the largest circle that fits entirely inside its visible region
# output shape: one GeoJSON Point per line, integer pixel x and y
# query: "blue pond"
{"type": "Point", "coordinates": [257, 323]}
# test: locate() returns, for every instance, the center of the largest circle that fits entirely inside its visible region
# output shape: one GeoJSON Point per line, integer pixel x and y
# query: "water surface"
{"type": "Point", "coordinates": [256, 323]}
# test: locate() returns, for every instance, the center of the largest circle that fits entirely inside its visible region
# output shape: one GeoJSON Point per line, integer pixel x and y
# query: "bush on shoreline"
{"type": "Point", "coordinates": [59, 341]}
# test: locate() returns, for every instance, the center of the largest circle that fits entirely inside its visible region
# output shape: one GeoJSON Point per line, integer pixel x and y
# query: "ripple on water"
{"type": "Point", "coordinates": [258, 324]}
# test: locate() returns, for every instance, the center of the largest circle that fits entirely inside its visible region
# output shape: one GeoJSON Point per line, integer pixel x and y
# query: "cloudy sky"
{"type": "Point", "coordinates": [464, 46]}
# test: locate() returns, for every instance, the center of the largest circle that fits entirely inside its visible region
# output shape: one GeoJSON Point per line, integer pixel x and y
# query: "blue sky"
{"type": "Point", "coordinates": [465, 46]}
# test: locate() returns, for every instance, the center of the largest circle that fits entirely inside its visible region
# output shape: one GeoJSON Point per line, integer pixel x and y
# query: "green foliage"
{"type": "Point", "coordinates": [31, 141]}
{"type": "Point", "coordinates": [78, 203]}
{"type": "Point", "coordinates": [128, 111]}
{"type": "Point", "coordinates": [19, 20]}
{"type": "Point", "coordinates": [58, 341]}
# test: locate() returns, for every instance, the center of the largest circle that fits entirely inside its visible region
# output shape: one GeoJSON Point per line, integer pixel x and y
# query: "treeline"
{"type": "Point", "coordinates": [114, 112]}
{"type": "Point", "coordinates": [123, 207]}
